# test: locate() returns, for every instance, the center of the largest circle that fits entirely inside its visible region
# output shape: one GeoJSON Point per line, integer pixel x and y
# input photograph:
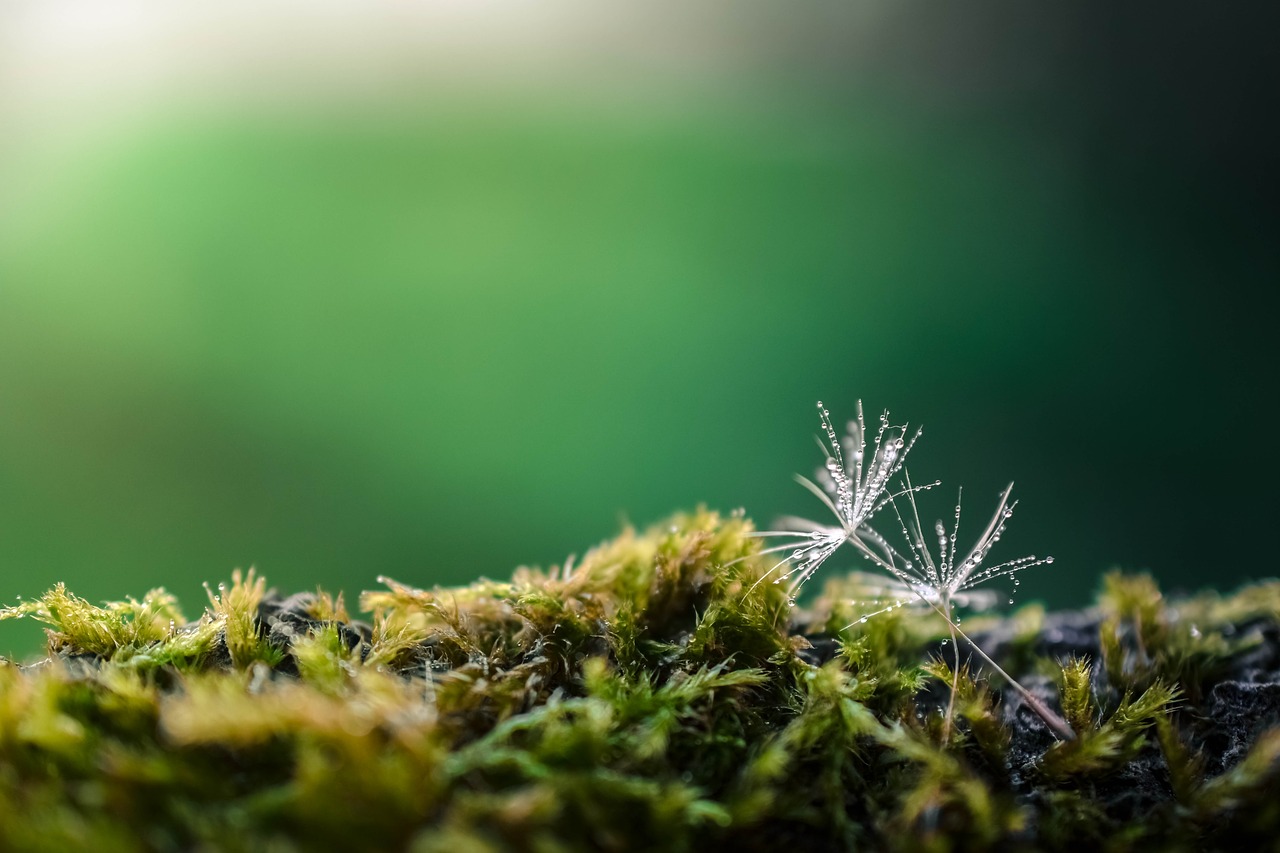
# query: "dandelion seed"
{"type": "Point", "coordinates": [855, 488]}
{"type": "Point", "coordinates": [942, 579]}
{"type": "Point", "coordinates": [853, 485]}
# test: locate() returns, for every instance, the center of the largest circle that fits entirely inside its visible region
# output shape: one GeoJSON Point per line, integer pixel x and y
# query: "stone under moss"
{"type": "Point", "coordinates": [651, 696]}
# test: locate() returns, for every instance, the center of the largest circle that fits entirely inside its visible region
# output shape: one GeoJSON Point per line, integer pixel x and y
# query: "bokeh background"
{"type": "Point", "coordinates": [434, 290]}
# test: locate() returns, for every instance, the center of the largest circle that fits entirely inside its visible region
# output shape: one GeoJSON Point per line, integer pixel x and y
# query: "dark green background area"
{"type": "Point", "coordinates": [449, 336]}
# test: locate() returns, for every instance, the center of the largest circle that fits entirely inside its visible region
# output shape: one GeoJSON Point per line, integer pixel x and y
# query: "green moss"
{"type": "Point", "coordinates": [1101, 744]}
{"type": "Point", "coordinates": [651, 696]}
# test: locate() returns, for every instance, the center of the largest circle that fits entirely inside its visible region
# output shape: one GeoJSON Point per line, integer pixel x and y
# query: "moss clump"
{"type": "Point", "coordinates": [652, 696]}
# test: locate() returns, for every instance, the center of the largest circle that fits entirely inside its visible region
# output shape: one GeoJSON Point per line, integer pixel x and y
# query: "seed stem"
{"type": "Point", "coordinates": [1056, 724]}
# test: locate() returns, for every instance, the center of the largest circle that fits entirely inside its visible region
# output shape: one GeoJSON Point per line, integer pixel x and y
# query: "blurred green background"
{"type": "Point", "coordinates": [437, 296]}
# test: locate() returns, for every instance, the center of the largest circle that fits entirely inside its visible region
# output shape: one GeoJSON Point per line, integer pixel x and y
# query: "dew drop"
{"type": "Point", "coordinates": [791, 602]}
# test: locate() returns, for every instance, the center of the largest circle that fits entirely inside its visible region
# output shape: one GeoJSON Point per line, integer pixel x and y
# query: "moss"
{"type": "Point", "coordinates": [651, 696]}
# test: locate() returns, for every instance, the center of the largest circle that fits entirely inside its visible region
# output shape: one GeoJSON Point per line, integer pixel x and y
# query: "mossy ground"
{"type": "Point", "coordinates": [649, 696]}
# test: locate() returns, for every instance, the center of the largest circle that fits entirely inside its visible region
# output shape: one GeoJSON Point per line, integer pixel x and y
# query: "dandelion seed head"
{"type": "Point", "coordinates": [855, 486]}
{"type": "Point", "coordinates": [863, 473]}
{"type": "Point", "coordinates": [852, 483]}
